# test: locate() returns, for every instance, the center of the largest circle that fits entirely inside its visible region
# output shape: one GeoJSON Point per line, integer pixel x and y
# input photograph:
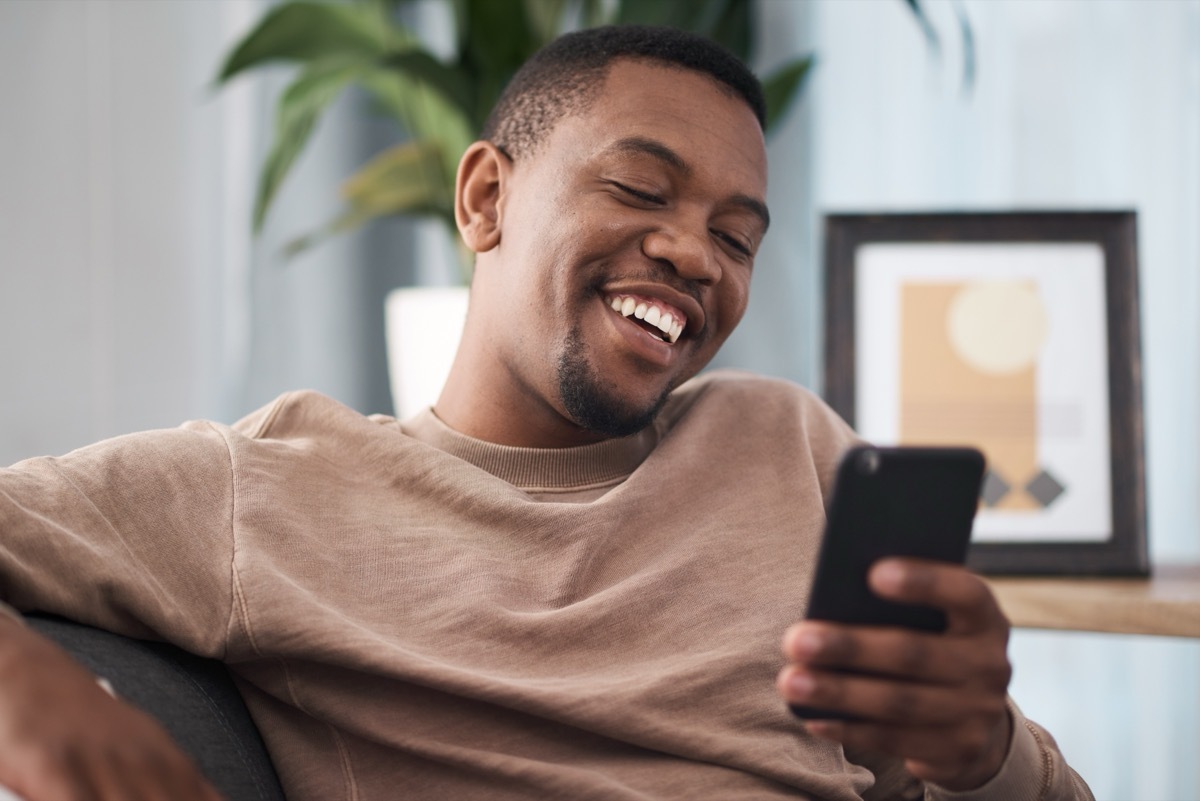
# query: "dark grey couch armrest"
{"type": "Point", "coordinates": [193, 698]}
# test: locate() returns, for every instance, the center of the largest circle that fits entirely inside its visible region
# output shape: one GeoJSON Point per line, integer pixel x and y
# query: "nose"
{"type": "Point", "coordinates": [687, 252]}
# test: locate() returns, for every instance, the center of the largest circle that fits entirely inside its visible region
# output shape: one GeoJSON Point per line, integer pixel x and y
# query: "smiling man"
{"type": "Point", "coordinates": [568, 579]}
{"type": "Point", "coordinates": [614, 255]}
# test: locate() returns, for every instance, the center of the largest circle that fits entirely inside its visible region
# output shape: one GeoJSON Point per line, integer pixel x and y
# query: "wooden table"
{"type": "Point", "coordinates": [1168, 603]}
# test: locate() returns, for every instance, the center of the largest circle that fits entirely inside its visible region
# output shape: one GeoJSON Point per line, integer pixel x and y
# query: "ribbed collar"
{"type": "Point", "coordinates": [538, 468]}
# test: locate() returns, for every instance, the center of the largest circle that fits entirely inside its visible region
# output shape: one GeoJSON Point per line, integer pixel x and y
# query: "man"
{"type": "Point", "coordinates": [567, 580]}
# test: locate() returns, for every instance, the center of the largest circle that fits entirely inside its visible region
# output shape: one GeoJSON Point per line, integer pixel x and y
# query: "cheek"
{"type": "Point", "coordinates": [735, 295]}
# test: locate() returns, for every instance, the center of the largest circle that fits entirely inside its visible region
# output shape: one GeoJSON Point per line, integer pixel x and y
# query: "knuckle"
{"type": "Point", "coordinates": [977, 595]}
{"type": "Point", "coordinates": [788, 644]}
{"type": "Point", "coordinates": [830, 689]}
{"type": "Point", "coordinates": [995, 706]}
{"type": "Point", "coordinates": [1004, 623]}
{"type": "Point", "coordinates": [996, 672]}
{"type": "Point", "coordinates": [843, 646]}
{"type": "Point", "coordinates": [972, 743]}
{"type": "Point", "coordinates": [982, 709]}
{"type": "Point", "coordinates": [877, 738]}
{"type": "Point", "coordinates": [900, 704]}
{"type": "Point", "coordinates": [912, 654]}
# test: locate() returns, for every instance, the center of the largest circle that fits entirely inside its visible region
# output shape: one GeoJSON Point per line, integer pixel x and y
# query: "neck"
{"type": "Point", "coordinates": [483, 399]}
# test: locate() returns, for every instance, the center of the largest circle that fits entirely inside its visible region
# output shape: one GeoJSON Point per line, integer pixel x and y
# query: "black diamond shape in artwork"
{"type": "Point", "coordinates": [994, 489]}
{"type": "Point", "coordinates": [1045, 488]}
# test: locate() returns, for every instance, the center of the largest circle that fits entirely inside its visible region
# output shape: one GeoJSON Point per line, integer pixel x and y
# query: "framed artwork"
{"type": "Point", "coordinates": [1016, 333]}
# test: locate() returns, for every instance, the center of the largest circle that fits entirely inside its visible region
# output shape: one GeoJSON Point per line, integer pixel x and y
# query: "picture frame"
{"type": "Point", "coordinates": [1016, 332]}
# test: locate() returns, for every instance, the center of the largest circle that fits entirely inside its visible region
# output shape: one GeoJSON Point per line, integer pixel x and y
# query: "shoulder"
{"type": "Point", "coordinates": [305, 413]}
{"type": "Point", "coordinates": [752, 398]}
{"type": "Point", "coordinates": [765, 420]}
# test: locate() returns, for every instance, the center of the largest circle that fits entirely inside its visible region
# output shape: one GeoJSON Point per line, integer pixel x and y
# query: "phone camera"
{"type": "Point", "coordinates": [868, 462]}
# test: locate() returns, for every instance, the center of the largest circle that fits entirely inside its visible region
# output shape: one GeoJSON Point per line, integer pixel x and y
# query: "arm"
{"type": "Point", "coordinates": [936, 701]}
{"type": "Point", "coordinates": [133, 535]}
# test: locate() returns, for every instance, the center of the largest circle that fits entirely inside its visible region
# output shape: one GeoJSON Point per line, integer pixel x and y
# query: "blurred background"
{"type": "Point", "coordinates": [133, 294]}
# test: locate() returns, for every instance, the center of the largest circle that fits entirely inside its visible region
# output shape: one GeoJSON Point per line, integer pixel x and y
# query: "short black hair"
{"type": "Point", "coordinates": [566, 75]}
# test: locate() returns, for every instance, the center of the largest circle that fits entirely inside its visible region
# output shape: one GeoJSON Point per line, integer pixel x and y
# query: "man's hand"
{"type": "Point", "coordinates": [63, 737]}
{"type": "Point", "coordinates": [936, 700]}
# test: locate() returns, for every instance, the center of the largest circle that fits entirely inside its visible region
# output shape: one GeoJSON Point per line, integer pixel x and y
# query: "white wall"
{"type": "Point", "coordinates": [109, 316]}
{"type": "Point", "coordinates": [132, 294]}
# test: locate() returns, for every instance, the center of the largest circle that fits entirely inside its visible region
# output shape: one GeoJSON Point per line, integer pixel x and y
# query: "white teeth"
{"type": "Point", "coordinates": [671, 328]}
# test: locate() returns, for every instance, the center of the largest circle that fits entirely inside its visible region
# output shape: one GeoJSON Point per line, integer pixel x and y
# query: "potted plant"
{"type": "Point", "coordinates": [440, 105]}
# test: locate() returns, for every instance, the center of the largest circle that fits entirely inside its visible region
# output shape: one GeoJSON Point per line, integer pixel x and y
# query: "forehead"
{"type": "Point", "coordinates": [693, 114]}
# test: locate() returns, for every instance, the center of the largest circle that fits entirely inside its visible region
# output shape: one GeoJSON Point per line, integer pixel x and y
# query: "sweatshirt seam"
{"type": "Point", "coordinates": [239, 605]}
{"type": "Point", "coordinates": [272, 414]}
{"type": "Point", "coordinates": [1047, 760]}
{"type": "Point", "coordinates": [238, 609]}
{"type": "Point", "coordinates": [572, 488]}
{"type": "Point", "coordinates": [349, 784]}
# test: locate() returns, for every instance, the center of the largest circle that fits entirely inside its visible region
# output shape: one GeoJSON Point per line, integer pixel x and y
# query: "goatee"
{"type": "Point", "coordinates": [592, 405]}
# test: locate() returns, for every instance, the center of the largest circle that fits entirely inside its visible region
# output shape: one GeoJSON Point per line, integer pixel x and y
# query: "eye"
{"type": "Point", "coordinates": [732, 241]}
{"type": "Point", "coordinates": [644, 197]}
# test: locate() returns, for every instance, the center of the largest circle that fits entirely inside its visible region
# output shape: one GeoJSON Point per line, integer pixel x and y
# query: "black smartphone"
{"type": "Point", "coordinates": [899, 501]}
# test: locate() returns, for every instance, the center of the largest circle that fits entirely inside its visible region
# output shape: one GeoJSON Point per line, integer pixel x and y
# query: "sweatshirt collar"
{"type": "Point", "coordinates": [538, 468]}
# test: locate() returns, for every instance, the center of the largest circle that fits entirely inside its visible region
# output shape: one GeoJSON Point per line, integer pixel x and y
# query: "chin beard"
{"type": "Point", "coordinates": [592, 405]}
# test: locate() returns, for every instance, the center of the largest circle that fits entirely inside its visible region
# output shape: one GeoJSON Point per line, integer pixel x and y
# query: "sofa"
{"type": "Point", "coordinates": [193, 698]}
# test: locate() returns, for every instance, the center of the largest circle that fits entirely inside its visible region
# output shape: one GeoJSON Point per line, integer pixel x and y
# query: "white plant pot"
{"type": "Point", "coordinates": [424, 326]}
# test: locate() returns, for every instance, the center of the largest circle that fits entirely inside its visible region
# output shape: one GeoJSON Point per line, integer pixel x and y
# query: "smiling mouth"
{"type": "Point", "coordinates": [657, 318]}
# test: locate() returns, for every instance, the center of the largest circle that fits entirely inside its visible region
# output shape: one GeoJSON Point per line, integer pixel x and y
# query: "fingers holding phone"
{"type": "Point", "coordinates": [973, 648]}
{"type": "Point", "coordinates": [937, 700]}
{"type": "Point", "coordinates": [904, 655]}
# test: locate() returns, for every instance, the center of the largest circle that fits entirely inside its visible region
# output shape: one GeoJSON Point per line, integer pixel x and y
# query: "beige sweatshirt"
{"type": "Point", "coordinates": [414, 614]}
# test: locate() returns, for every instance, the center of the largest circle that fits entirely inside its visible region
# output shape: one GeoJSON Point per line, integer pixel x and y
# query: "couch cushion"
{"type": "Point", "coordinates": [193, 698]}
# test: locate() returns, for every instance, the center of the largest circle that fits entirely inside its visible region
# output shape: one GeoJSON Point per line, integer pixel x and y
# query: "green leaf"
{"type": "Point", "coordinates": [596, 12]}
{"type": "Point", "coordinates": [968, 43]}
{"type": "Point", "coordinates": [303, 31]}
{"type": "Point", "coordinates": [545, 19]}
{"type": "Point", "coordinates": [729, 22]}
{"type": "Point", "coordinates": [931, 36]}
{"type": "Point", "coordinates": [347, 221]}
{"type": "Point", "coordinates": [401, 180]}
{"type": "Point", "coordinates": [661, 12]}
{"type": "Point", "coordinates": [496, 37]}
{"type": "Point", "coordinates": [296, 115]}
{"type": "Point", "coordinates": [781, 87]}
{"type": "Point", "coordinates": [499, 37]}
{"type": "Point", "coordinates": [734, 28]}
{"type": "Point", "coordinates": [421, 67]}
{"type": "Point", "coordinates": [425, 113]}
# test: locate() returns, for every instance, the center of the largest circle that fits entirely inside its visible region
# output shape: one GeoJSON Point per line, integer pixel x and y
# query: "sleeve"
{"type": "Point", "coordinates": [133, 535]}
{"type": "Point", "coordinates": [1034, 770]}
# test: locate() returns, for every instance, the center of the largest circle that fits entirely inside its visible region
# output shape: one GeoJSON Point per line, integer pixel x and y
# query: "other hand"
{"type": "Point", "coordinates": [938, 701]}
{"type": "Point", "coordinates": [62, 736]}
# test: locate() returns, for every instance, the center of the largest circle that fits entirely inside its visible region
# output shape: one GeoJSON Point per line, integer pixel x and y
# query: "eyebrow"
{"type": "Point", "coordinates": [640, 145]}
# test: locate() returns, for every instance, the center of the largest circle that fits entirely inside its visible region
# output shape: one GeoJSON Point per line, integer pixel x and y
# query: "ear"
{"type": "Point", "coordinates": [482, 172]}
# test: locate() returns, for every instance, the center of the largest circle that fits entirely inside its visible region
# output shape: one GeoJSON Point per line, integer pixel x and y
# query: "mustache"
{"type": "Point", "coordinates": [662, 275]}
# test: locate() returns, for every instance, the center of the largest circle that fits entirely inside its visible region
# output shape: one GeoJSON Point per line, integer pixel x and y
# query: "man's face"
{"type": "Point", "coordinates": [626, 246]}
